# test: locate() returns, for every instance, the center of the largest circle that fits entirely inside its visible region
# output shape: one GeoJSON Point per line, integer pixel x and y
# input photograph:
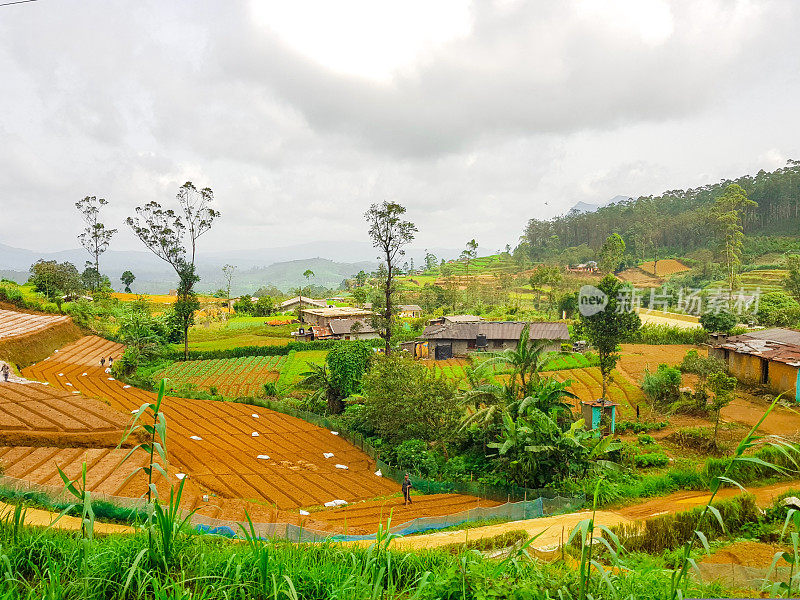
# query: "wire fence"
{"type": "Point", "coordinates": [510, 511]}
{"type": "Point", "coordinates": [518, 502]}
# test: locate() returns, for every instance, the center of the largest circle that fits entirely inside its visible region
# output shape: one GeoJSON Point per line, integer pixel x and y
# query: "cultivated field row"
{"type": "Point", "coordinates": [15, 324]}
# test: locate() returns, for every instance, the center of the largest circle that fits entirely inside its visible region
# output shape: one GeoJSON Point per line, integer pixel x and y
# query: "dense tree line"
{"type": "Point", "coordinates": [676, 222]}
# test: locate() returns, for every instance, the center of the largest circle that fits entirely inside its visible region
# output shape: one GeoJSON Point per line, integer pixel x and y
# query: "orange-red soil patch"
{"type": "Point", "coordinates": [34, 414]}
{"type": "Point", "coordinates": [224, 461]}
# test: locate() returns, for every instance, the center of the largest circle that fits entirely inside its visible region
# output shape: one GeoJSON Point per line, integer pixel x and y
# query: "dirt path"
{"type": "Point", "coordinates": [42, 518]}
{"type": "Point", "coordinates": [551, 531]}
{"type": "Point", "coordinates": [686, 500]}
{"type": "Point", "coordinates": [747, 410]}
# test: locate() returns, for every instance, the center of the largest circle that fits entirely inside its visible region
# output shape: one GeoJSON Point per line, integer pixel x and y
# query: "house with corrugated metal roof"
{"type": "Point", "coordinates": [447, 339]}
{"type": "Point", "coordinates": [770, 357]}
{"type": "Point", "coordinates": [300, 301]}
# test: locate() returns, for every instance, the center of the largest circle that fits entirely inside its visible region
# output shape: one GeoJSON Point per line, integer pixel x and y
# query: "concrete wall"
{"type": "Point", "coordinates": [747, 368]}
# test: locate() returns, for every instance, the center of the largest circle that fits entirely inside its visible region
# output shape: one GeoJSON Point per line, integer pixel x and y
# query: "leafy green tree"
{"type": "Point", "coordinates": [361, 279]}
{"type": "Point", "coordinates": [390, 234]}
{"type": "Point", "coordinates": [264, 306]}
{"type": "Point", "coordinates": [792, 281]}
{"type": "Point", "coordinates": [244, 305]}
{"type": "Point", "coordinates": [778, 309]}
{"type": "Point", "coordinates": [54, 279]}
{"type": "Point", "coordinates": [127, 279]}
{"type": "Point", "coordinates": [525, 360]}
{"type": "Point", "coordinates": [727, 214]}
{"type": "Point", "coordinates": [172, 237]}
{"type": "Point", "coordinates": [605, 330]}
{"type": "Point", "coordinates": [431, 262]}
{"type": "Point", "coordinates": [718, 321]}
{"type": "Point", "coordinates": [548, 276]}
{"type": "Point", "coordinates": [95, 237]}
{"type": "Point", "coordinates": [703, 367]}
{"type": "Point", "coordinates": [347, 364]}
{"type": "Point", "coordinates": [611, 253]}
{"type": "Point", "coordinates": [404, 400]}
{"type": "Point", "coordinates": [469, 253]}
{"type": "Point", "coordinates": [308, 274]}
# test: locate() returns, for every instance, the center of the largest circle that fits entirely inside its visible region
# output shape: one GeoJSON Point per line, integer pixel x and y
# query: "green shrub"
{"type": "Point", "coordinates": [639, 426]}
{"type": "Point", "coordinates": [651, 459]}
{"type": "Point", "coordinates": [664, 385]}
{"type": "Point", "coordinates": [649, 333]}
{"type": "Point", "coordinates": [667, 532]}
{"type": "Point", "coordinates": [646, 440]}
{"type": "Point", "coordinates": [270, 389]}
{"type": "Point", "coordinates": [413, 455]}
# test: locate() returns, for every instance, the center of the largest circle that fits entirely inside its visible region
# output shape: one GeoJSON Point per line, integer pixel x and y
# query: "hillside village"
{"type": "Point", "coordinates": [493, 381]}
{"type": "Point", "coordinates": [404, 301]}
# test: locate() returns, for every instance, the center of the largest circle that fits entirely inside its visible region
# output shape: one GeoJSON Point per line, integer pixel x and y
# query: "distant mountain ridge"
{"type": "Point", "coordinates": [283, 267]}
{"type": "Point", "coordinates": [585, 207]}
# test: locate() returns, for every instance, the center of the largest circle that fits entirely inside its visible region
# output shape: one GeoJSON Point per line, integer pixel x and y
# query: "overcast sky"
{"type": "Point", "coordinates": [300, 114]}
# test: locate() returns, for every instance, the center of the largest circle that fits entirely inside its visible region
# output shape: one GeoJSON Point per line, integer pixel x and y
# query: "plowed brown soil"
{"type": "Point", "coordinates": [32, 414]}
{"type": "Point", "coordinates": [223, 463]}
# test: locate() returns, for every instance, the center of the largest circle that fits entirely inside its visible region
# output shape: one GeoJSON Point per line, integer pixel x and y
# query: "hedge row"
{"type": "Point", "coordinates": [265, 350]}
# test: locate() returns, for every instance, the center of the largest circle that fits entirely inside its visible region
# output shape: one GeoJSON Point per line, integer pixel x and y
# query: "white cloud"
{"type": "Point", "coordinates": [299, 115]}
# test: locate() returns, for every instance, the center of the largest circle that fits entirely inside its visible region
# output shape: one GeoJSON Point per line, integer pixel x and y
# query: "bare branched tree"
{"type": "Point", "coordinates": [163, 232]}
{"type": "Point", "coordinates": [389, 234]}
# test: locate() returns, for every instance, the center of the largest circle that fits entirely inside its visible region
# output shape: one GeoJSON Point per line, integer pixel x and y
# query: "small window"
{"type": "Point", "coordinates": [471, 344]}
{"type": "Point", "coordinates": [497, 343]}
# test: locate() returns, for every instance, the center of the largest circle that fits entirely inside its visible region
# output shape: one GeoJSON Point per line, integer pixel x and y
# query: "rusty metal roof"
{"type": "Point", "coordinates": [766, 347]}
{"type": "Point", "coordinates": [495, 330]}
{"type": "Point", "coordinates": [777, 334]}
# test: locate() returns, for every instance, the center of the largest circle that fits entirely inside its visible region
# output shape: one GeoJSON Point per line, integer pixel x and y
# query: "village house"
{"type": "Point", "coordinates": [770, 357]}
{"type": "Point", "coordinates": [338, 329]}
{"type": "Point", "coordinates": [321, 317]}
{"type": "Point", "coordinates": [409, 311]}
{"type": "Point", "coordinates": [448, 339]}
{"type": "Point", "coordinates": [404, 311]}
{"type": "Point", "coordinates": [293, 303]}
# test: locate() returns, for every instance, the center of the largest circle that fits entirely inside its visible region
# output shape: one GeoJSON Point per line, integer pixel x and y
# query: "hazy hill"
{"type": "Point", "coordinates": [586, 207]}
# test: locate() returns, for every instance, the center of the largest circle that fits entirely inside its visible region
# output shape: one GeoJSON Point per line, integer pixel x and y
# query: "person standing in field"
{"type": "Point", "coordinates": [407, 485]}
{"type": "Point", "coordinates": [6, 371]}
{"type": "Point", "coordinates": [103, 361]}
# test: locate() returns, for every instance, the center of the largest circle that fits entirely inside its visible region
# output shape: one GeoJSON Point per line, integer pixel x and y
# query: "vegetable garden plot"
{"type": "Point", "coordinates": [224, 461]}
{"type": "Point", "coordinates": [587, 385]}
{"type": "Point", "coordinates": [233, 377]}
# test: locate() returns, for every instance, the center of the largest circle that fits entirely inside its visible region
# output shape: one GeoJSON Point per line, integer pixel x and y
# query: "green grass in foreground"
{"type": "Point", "coordinates": [59, 565]}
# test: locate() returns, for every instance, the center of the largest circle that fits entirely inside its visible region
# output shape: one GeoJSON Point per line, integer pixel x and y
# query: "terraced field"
{"type": "Point", "coordinates": [664, 267]}
{"type": "Point", "coordinates": [33, 414]}
{"type": "Point", "coordinates": [587, 385]}
{"type": "Point", "coordinates": [232, 377]}
{"type": "Point", "coordinates": [16, 324]}
{"type": "Point", "coordinates": [766, 280]}
{"type": "Point", "coordinates": [224, 461]}
{"type": "Point", "coordinates": [232, 457]}
{"type": "Point", "coordinates": [364, 517]}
